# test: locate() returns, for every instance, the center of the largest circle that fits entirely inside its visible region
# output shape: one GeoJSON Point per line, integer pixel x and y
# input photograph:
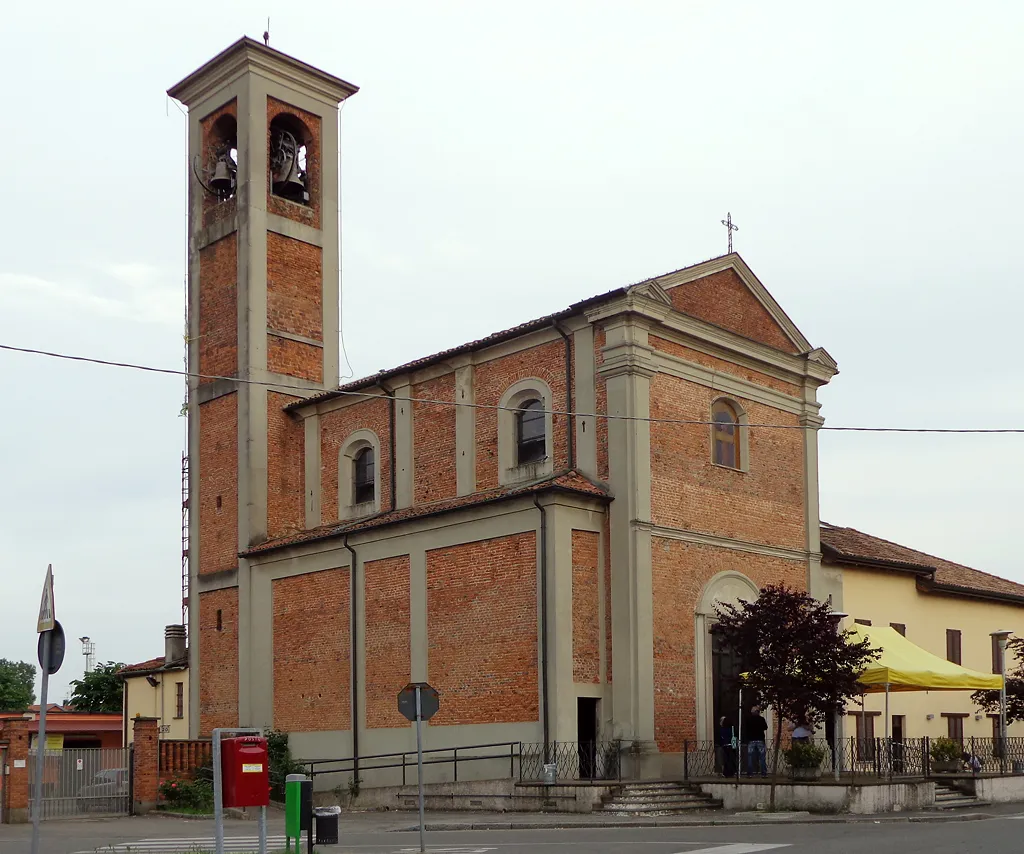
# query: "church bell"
{"type": "Point", "coordinates": [222, 180]}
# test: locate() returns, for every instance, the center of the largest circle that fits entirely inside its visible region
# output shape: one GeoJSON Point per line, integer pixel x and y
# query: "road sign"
{"type": "Point", "coordinates": [47, 614]}
{"type": "Point", "coordinates": [430, 701]}
{"type": "Point", "coordinates": [56, 650]}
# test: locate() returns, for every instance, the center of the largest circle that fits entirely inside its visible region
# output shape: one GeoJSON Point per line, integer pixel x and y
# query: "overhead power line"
{"type": "Point", "coordinates": [305, 389]}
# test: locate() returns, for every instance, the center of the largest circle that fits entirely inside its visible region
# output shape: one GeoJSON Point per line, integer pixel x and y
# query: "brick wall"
{"type": "Point", "coordinates": [295, 358]}
{"type": "Point", "coordinates": [286, 507]}
{"type": "Point", "coordinates": [218, 658]}
{"type": "Point", "coordinates": [294, 287]}
{"type": "Point", "coordinates": [680, 571]}
{"type": "Point", "coordinates": [217, 485]}
{"type": "Point", "coordinates": [724, 300]}
{"type": "Point", "coordinates": [722, 365]}
{"type": "Point", "coordinates": [306, 214]}
{"type": "Point", "coordinates": [312, 651]}
{"type": "Point", "coordinates": [14, 787]}
{"type": "Point", "coordinates": [434, 440]}
{"type": "Point", "coordinates": [218, 309]}
{"type": "Point", "coordinates": [763, 505]}
{"type": "Point", "coordinates": [145, 764]}
{"type": "Point", "coordinates": [492, 379]}
{"type": "Point", "coordinates": [586, 630]}
{"type": "Point", "coordinates": [335, 428]}
{"type": "Point", "coordinates": [482, 630]}
{"type": "Point", "coordinates": [386, 594]}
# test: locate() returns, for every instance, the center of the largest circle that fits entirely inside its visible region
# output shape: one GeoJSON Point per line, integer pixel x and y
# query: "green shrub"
{"type": "Point", "coordinates": [281, 763]}
{"type": "Point", "coordinates": [182, 793]}
{"type": "Point", "coordinates": [946, 750]}
{"type": "Point", "coordinates": [803, 754]}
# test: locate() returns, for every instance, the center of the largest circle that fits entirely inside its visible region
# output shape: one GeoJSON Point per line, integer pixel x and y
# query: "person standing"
{"type": "Point", "coordinates": [755, 728]}
{"type": "Point", "coordinates": [726, 743]}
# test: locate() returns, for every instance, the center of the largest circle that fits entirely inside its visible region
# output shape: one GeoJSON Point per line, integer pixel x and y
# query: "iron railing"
{"type": "Point", "coordinates": [572, 760]}
{"type": "Point", "coordinates": [508, 751]}
{"type": "Point", "coordinates": [858, 758]}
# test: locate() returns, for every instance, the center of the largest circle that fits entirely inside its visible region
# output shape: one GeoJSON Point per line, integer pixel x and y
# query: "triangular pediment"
{"type": "Point", "coordinates": [725, 292]}
{"type": "Point", "coordinates": [652, 290]}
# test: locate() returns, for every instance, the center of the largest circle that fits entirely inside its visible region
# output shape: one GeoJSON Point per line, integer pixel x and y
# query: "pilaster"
{"type": "Point", "coordinates": [585, 388]}
{"type": "Point", "coordinates": [465, 432]}
{"type": "Point", "coordinates": [403, 462]}
{"type": "Point", "coordinates": [628, 368]}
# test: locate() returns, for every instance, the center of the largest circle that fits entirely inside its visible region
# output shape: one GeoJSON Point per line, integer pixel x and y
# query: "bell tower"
{"type": "Point", "coordinates": [263, 267]}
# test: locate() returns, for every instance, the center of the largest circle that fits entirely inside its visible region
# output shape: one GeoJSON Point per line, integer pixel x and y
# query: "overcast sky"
{"type": "Point", "coordinates": [502, 161]}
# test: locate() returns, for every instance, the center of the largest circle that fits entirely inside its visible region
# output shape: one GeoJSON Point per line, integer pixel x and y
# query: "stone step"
{"type": "Point", "coordinates": [658, 812]}
{"type": "Point", "coordinates": [624, 798]}
{"type": "Point", "coordinates": [667, 804]}
{"type": "Point", "coordinates": [655, 793]}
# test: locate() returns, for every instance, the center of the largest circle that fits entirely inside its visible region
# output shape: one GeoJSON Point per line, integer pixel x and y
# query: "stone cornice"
{"type": "Point", "coordinates": [249, 55]}
{"type": "Point", "coordinates": [699, 538]}
{"type": "Point", "coordinates": [629, 358]}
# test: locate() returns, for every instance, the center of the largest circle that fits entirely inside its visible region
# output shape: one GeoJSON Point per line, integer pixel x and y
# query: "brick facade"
{"type": "Point", "coordinates": [218, 659]}
{"type": "Point", "coordinates": [482, 630]}
{"type": "Point", "coordinates": [434, 440]}
{"type": "Point", "coordinates": [218, 498]}
{"type": "Point", "coordinates": [724, 300]}
{"type": "Point", "coordinates": [387, 642]}
{"type": "Point", "coordinates": [218, 309]}
{"type": "Point", "coordinates": [680, 570]}
{"type": "Point", "coordinates": [286, 507]}
{"type": "Point", "coordinates": [312, 649]}
{"type": "Point", "coordinates": [764, 504]}
{"type": "Point", "coordinates": [586, 630]}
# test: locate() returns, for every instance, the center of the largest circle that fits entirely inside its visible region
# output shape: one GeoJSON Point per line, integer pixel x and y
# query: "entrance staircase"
{"type": "Point", "coordinates": [656, 798]}
{"type": "Point", "coordinates": [949, 797]}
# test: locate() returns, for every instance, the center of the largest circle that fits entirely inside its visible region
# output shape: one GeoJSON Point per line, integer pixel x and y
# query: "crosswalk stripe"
{"type": "Point", "coordinates": [738, 848]}
{"type": "Point", "coordinates": [188, 844]}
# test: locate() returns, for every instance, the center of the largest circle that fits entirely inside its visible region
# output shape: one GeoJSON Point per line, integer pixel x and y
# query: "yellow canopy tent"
{"type": "Point", "coordinates": [904, 666]}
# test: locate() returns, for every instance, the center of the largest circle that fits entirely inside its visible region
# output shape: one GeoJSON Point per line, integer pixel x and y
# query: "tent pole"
{"type": "Point", "coordinates": [886, 711]}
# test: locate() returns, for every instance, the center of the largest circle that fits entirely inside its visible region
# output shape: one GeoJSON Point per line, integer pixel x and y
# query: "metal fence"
{"type": "Point", "coordinates": [572, 760]}
{"type": "Point", "coordinates": [854, 758]}
{"type": "Point", "coordinates": [82, 781]}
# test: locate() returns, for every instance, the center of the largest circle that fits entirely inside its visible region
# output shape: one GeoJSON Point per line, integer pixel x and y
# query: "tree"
{"type": "Point", "coordinates": [99, 691]}
{"type": "Point", "coordinates": [17, 685]}
{"type": "Point", "coordinates": [793, 658]}
{"type": "Point", "coordinates": [988, 701]}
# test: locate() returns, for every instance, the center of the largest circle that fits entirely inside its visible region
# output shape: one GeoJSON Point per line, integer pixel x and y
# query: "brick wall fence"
{"type": "Point", "coordinates": [15, 782]}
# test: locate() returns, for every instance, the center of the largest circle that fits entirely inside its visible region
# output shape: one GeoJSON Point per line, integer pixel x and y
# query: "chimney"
{"type": "Point", "coordinates": [174, 644]}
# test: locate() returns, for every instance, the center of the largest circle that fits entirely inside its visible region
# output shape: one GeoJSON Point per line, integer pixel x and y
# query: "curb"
{"type": "Point", "coordinates": [721, 822]}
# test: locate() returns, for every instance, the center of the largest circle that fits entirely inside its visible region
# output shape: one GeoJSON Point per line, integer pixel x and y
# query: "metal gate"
{"type": "Point", "coordinates": [82, 781]}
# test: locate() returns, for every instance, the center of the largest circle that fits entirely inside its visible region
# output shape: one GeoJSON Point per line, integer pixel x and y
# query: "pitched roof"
{"type": "Point", "coordinates": [850, 545]}
{"type": "Point", "coordinates": [151, 666]}
{"type": "Point", "coordinates": [566, 481]}
{"type": "Point", "coordinates": [489, 340]}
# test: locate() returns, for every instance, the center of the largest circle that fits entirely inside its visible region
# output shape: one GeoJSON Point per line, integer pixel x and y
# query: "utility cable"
{"type": "Point", "coordinates": [314, 392]}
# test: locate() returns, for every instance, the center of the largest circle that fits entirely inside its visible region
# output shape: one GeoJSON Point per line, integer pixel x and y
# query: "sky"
{"type": "Point", "coordinates": [500, 162]}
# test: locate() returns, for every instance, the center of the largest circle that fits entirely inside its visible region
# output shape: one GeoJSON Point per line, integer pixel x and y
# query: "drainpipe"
{"type": "Point", "coordinates": [569, 425]}
{"type": "Point", "coordinates": [545, 713]}
{"type": "Point", "coordinates": [353, 667]}
{"type": "Point", "coordinates": [391, 439]}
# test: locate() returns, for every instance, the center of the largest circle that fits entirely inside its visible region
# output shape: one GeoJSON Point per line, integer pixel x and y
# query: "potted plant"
{"type": "Point", "coordinates": [945, 754]}
{"type": "Point", "coordinates": [804, 760]}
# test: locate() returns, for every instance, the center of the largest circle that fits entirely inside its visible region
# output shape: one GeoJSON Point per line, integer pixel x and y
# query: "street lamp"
{"type": "Point", "coordinates": [837, 618]}
{"type": "Point", "coordinates": [1001, 636]}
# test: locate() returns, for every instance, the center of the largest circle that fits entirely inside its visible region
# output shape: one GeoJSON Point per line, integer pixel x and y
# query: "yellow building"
{"type": "Point", "coordinates": [948, 609]}
{"type": "Point", "coordinates": [158, 688]}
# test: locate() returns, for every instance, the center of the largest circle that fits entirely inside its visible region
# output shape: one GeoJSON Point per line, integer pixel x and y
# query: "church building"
{"type": "Point", "coordinates": [538, 523]}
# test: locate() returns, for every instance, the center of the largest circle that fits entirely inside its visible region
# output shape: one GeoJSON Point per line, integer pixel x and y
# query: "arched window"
{"type": "Point", "coordinates": [364, 477]}
{"type": "Point", "coordinates": [530, 440]}
{"type": "Point", "coordinates": [725, 435]}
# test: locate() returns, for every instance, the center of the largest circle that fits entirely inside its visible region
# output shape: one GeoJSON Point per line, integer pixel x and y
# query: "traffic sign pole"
{"type": "Point", "coordinates": [37, 788]}
{"type": "Point", "coordinates": [419, 762]}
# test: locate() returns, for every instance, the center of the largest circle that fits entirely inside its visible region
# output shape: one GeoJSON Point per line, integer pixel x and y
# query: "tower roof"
{"type": "Point", "coordinates": [248, 54]}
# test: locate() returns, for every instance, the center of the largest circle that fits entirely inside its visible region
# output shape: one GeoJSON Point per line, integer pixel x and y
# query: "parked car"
{"type": "Point", "coordinates": [108, 791]}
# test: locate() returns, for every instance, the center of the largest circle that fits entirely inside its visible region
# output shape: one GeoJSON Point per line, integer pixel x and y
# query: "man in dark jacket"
{"type": "Point", "coordinates": [754, 729]}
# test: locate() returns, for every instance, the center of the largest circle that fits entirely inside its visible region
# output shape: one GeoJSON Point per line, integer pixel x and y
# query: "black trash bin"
{"type": "Point", "coordinates": [327, 825]}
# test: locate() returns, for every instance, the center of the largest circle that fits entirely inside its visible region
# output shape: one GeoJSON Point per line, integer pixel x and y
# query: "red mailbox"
{"type": "Point", "coordinates": [245, 771]}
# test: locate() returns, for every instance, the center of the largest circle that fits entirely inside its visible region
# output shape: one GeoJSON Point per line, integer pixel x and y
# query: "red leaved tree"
{"type": "Point", "coordinates": [793, 658]}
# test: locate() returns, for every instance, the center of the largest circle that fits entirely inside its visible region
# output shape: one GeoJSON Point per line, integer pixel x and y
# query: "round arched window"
{"type": "Point", "coordinates": [725, 435]}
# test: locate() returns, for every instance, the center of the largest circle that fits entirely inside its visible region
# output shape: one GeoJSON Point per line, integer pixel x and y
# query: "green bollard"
{"type": "Point", "coordinates": [293, 802]}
